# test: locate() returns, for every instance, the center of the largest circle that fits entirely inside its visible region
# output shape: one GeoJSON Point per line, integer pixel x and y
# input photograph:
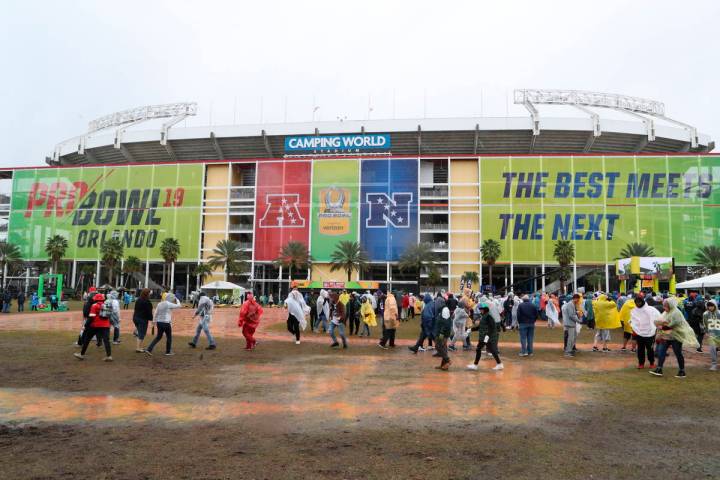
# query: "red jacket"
{"type": "Point", "coordinates": [96, 321]}
{"type": "Point", "coordinates": [405, 301]}
{"type": "Point", "coordinates": [250, 320]}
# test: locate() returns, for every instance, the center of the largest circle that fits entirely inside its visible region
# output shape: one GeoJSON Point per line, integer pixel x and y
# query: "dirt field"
{"type": "Point", "coordinates": [305, 411]}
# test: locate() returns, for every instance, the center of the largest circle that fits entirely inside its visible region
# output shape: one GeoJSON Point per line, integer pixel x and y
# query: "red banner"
{"type": "Point", "coordinates": [283, 207]}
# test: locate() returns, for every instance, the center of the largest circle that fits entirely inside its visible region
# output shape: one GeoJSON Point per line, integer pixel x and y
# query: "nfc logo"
{"type": "Point", "coordinates": [384, 209]}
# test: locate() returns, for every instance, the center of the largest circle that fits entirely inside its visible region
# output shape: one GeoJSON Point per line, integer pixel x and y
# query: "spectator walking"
{"type": "Point", "coordinates": [163, 322]}
{"type": "Point", "coordinates": [142, 316]}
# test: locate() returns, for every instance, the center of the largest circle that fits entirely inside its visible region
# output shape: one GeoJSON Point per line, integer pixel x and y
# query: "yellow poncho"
{"type": "Point", "coordinates": [606, 313]}
{"type": "Point", "coordinates": [368, 314]}
{"type": "Point", "coordinates": [625, 314]}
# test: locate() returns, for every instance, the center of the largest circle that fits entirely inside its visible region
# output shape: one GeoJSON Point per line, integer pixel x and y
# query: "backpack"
{"type": "Point", "coordinates": [106, 311]}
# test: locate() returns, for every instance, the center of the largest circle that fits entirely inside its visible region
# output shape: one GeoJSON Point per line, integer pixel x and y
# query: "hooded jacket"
{"type": "Point", "coordinates": [367, 313]}
{"type": "Point", "coordinates": [711, 323]}
{"type": "Point", "coordinates": [428, 315]}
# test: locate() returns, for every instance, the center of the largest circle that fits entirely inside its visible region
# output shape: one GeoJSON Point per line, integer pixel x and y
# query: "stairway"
{"type": "Point", "coordinates": [581, 272]}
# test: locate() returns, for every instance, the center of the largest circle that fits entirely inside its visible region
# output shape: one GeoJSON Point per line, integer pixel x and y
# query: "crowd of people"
{"type": "Point", "coordinates": [652, 324]}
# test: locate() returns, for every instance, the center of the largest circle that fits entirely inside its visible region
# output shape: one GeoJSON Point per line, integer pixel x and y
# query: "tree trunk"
{"type": "Point", "coordinates": [490, 276]}
{"type": "Point", "coordinates": [349, 272]}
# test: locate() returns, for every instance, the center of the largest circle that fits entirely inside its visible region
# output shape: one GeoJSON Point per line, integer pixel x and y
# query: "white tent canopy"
{"type": "Point", "coordinates": [220, 285]}
{"type": "Point", "coordinates": [711, 281]}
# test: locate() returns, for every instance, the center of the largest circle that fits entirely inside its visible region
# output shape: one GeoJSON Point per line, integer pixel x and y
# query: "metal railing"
{"type": "Point", "coordinates": [434, 226]}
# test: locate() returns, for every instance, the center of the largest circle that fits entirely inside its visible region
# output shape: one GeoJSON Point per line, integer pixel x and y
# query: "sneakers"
{"type": "Point", "coordinates": [148, 353]}
{"type": "Point", "coordinates": [652, 366]}
{"type": "Point", "coordinates": [713, 368]}
{"type": "Point", "coordinates": [569, 355]}
{"type": "Point", "coordinates": [681, 374]}
{"type": "Point", "coordinates": [116, 342]}
{"type": "Point", "coordinates": [640, 367]}
{"type": "Point", "coordinates": [421, 349]}
{"type": "Point", "coordinates": [452, 348]}
{"type": "Point", "coordinates": [413, 349]}
{"type": "Point", "coordinates": [211, 347]}
{"type": "Point", "coordinates": [79, 356]}
{"type": "Point", "coordinates": [522, 354]}
{"type": "Point", "coordinates": [472, 366]}
{"type": "Point", "coordinates": [657, 372]}
{"type": "Point", "coordinates": [107, 359]}
{"type": "Point", "coordinates": [382, 346]}
{"type": "Point", "coordinates": [139, 350]}
{"type": "Point", "coordinates": [606, 350]}
{"type": "Point", "coordinates": [699, 350]}
{"type": "Point", "coordinates": [191, 345]}
{"type": "Point", "coordinates": [623, 349]}
{"type": "Point", "coordinates": [498, 367]}
{"type": "Point", "coordinates": [595, 349]}
{"type": "Point", "coordinates": [297, 342]}
{"type": "Point", "coordinates": [335, 345]}
{"type": "Point", "coordinates": [169, 354]}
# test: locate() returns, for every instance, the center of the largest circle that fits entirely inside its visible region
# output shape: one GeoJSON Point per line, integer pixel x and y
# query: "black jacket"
{"type": "Point", "coordinates": [527, 312]}
{"type": "Point", "coordinates": [143, 310]}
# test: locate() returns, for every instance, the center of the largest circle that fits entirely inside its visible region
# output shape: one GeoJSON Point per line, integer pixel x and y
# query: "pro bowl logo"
{"type": "Point", "coordinates": [334, 215]}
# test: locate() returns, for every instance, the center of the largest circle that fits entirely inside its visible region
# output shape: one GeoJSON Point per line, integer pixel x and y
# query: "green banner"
{"type": "Point", "coordinates": [335, 190]}
{"type": "Point", "coordinates": [601, 204]}
{"type": "Point", "coordinates": [140, 205]}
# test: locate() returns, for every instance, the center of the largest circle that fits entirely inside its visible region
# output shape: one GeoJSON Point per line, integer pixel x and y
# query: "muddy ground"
{"type": "Point", "coordinates": [287, 411]}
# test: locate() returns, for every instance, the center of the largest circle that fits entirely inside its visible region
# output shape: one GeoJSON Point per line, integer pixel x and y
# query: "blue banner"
{"type": "Point", "coordinates": [338, 143]}
{"type": "Point", "coordinates": [389, 207]}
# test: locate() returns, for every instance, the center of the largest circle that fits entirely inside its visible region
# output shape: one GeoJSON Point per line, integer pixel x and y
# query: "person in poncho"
{"type": "Point", "coordinates": [552, 311]}
{"type": "Point", "coordinates": [624, 317]}
{"type": "Point", "coordinates": [297, 309]}
{"type": "Point", "coordinates": [673, 332]}
{"type": "Point", "coordinates": [460, 319]}
{"type": "Point", "coordinates": [391, 321]}
{"type": "Point", "coordinates": [489, 334]}
{"type": "Point", "coordinates": [606, 319]}
{"type": "Point", "coordinates": [711, 325]}
{"type": "Point", "coordinates": [642, 320]}
{"type": "Point", "coordinates": [367, 314]}
{"type": "Point", "coordinates": [322, 305]}
{"type": "Point", "coordinates": [249, 319]}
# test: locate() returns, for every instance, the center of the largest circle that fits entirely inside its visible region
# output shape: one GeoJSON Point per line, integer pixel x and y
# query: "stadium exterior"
{"type": "Point", "coordinates": [526, 182]}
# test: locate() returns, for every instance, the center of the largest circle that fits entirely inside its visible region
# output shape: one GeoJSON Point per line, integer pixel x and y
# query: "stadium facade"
{"type": "Point", "coordinates": [525, 182]}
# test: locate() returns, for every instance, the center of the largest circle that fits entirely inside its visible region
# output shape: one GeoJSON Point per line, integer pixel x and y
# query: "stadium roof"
{"type": "Point", "coordinates": [607, 124]}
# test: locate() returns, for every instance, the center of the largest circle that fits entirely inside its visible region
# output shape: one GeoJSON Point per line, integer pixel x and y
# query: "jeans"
{"type": "Point", "coordinates": [645, 344]}
{"type": "Point", "coordinates": [713, 353]}
{"type": "Point", "coordinates": [527, 335]}
{"type": "Point", "coordinates": [341, 328]}
{"type": "Point", "coordinates": [677, 350]}
{"type": "Point", "coordinates": [570, 338]}
{"type": "Point", "coordinates": [6, 307]}
{"type": "Point", "coordinates": [166, 329]}
{"type": "Point", "coordinates": [421, 339]}
{"type": "Point", "coordinates": [365, 330]}
{"type": "Point", "coordinates": [101, 333]}
{"type": "Point", "coordinates": [321, 320]}
{"type": "Point", "coordinates": [21, 306]}
{"type": "Point", "coordinates": [203, 326]}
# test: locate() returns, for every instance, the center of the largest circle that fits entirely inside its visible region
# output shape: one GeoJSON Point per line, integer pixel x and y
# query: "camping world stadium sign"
{"type": "Point", "coordinates": [338, 143]}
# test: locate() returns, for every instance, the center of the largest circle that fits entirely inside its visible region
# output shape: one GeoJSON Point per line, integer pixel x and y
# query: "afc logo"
{"type": "Point", "coordinates": [384, 210]}
{"type": "Point", "coordinates": [281, 211]}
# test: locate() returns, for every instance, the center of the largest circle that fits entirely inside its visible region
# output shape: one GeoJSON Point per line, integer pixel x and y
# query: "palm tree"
{"type": "Point", "coordinates": [111, 252]}
{"type": "Point", "coordinates": [55, 247]}
{"type": "Point", "coordinates": [434, 277]}
{"type": "Point", "coordinates": [709, 257]}
{"type": "Point", "coordinates": [87, 272]}
{"type": "Point", "coordinates": [564, 253]}
{"type": "Point", "coordinates": [472, 277]}
{"type": "Point", "coordinates": [294, 255]}
{"type": "Point", "coordinates": [594, 279]}
{"type": "Point", "coordinates": [169, 251]}
{"type": "Point", "coordinates": [131, 266]}
{"type": "Point", "coordinates": [228, 256]}
{"type": "Point", "coordinates": [201, 271]}
{"type": "Point", "coordinates": [9, 253]}
{"type": "Point", "coordinates": [490, 251]}
{"type": "Point", "coordinates": [416, 257]}
{"type": "Point", "coordinates": [348, 256]}
{"type": "Point", "coordinates": [636, 249]}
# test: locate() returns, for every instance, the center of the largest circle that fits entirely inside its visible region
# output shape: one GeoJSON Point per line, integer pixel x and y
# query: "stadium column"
{"type": "Point", "coordinates": [97, 273]}
{"type": "Point", "coordinates": [463, 222]}
{"type": "Point", "coordinates": [215, 209]}
{"type": "Point", "coordinates": [74, 274]}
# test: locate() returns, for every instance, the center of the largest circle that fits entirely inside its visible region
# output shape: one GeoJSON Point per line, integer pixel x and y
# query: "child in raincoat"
{"type": "Point", "coordinates": [624, 317]}
{"type": "Point", "coordinates": [367, 314]}
{"type": "Point", "coordinates": [606, 319]}
{"type": "Point", "coordinates": [249, 319]}
{"type": "Point", "coordinates": [711, 324]}
{"type": "Point", "coordinates": [460, 321]}
{"type": "Point", "coordinates": [673, 332]}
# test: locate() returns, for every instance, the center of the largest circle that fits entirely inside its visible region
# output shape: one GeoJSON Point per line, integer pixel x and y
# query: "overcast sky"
{"type": "Point", "coordinates": [67, 62]}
